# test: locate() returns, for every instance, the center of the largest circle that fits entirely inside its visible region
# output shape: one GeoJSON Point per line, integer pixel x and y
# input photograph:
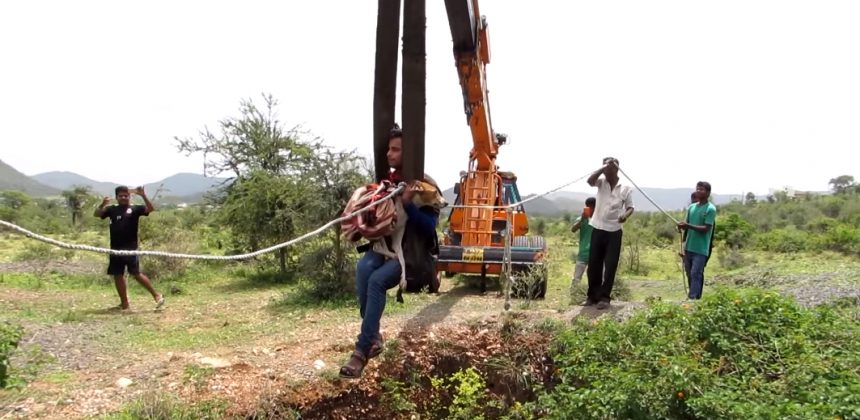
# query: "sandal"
{"type": "Point", "coordinates": [352, 369]}
{"type": "Point", "coordinates": [377, 347]}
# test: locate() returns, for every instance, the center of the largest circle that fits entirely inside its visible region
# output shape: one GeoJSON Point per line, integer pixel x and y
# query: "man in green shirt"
{"type": "Point", "coordinates": [699, 228]}
{"type": "Point", "coordinates": [584, 228]}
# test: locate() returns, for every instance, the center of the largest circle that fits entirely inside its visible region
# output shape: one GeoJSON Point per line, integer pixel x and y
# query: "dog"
{"type": "Point", "coordinates": [426, 193]}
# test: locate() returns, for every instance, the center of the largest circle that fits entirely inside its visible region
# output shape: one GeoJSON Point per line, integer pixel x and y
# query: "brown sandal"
{"type": "Point", "coordinates": [352, 369]}
{"type": "Point", "coordinates": [377, 347]}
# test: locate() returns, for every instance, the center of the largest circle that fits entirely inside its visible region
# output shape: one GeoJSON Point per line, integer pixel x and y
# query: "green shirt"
{"type": "Point", "coordinates": [700, 214]}
{"type": "Point", "coordinates": [584, 239]}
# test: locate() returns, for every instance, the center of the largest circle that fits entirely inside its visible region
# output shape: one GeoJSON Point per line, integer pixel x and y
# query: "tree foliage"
{"type": "Point", "coordinates": [285, 182]}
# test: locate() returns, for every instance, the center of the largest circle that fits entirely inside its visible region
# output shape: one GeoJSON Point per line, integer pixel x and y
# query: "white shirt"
{"type": "Point", "coordinates": [611, 205]}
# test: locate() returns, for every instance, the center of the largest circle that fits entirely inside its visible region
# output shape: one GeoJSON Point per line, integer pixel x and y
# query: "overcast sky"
{"type": "Point", "coordinates": [748, 95]}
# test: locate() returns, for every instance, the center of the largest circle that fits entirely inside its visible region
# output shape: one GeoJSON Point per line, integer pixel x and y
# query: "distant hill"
{"type": "Point", "coordinates": [561, 202]}
{"type": "Point", "coordinates": [181, 187]}
{"type": "Point", "coordinates": [64, 180]}
{"type": "Point", "coordinates": [184, 185]}
{"type": "Point", "coordinates": [667, 198]}
{"type": "Point", "coordinates": [11, 179]}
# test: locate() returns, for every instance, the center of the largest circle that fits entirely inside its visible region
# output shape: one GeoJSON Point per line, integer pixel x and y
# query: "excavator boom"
{"type": "Point", "coordinates": [476, 237]}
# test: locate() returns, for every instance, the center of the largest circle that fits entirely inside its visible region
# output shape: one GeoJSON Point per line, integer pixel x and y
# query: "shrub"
{"type": "Point", "coordinates": [9, 337]}
{"type": "Point", "coordinates": [786, 240]}
{"type": "Point", "coordinates": [734, 354]}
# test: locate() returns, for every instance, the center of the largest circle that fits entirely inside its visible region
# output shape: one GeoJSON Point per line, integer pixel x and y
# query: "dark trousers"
{"type": "Point", "coordinates": [602, 263]}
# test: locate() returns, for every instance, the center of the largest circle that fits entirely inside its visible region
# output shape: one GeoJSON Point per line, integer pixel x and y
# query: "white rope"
{"type": "Point", "coordinates": [646, 196]}
{"type": "Point", "coordinates": [521, 202]}
{"type": "Point", "coordinates": [193, 256]}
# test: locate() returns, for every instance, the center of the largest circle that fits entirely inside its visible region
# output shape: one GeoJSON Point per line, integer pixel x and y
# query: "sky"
{"type": "Point", "coordinates": [748, 95]}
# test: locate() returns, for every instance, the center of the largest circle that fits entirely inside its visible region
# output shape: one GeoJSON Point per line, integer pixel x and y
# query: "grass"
{"type": "Point", "coordinates": [215, 305]}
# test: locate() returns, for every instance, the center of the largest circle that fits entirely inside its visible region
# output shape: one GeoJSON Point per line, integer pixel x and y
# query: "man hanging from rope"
{"type": "Point", "coordinates": [379, 269]}
{"type": "Point", "coordinates": [614, 206]}
{"type": "Point", "coordinates": [698, 230]}
{"type": "Point", "coordinates": [124, 219]}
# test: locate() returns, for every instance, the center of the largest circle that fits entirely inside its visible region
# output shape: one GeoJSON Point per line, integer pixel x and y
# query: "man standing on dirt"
{"type": "Point", "coordinates": [699, 230]}
{"type": "Point", "coordinates": [123, 236]}
{"type": "Point", "coordinates": [614, 206]}
{"type": "Point", "coordinates": [379, 268]}
{"type": "Point", "coordinates": [584, 227]}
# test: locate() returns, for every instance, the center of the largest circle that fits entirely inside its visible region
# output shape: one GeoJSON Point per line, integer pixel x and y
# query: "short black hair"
{"type": "Point", "coordinates": [608, 158]}
{"type": "Point", "coordinates": [704, 184]}
{"type": "Point", "coordinates": [395, 131]}
{"type": "Point", "coordinates": [590, 201]}
{"type": "Point", "coordinates": [121, 189]}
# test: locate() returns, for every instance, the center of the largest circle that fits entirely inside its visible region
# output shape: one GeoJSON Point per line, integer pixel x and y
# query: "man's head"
{"type": "Point", "coordinates": [694, 197]}
{"type": "Point", "coordinates": [611, 170]}
{"type": "Point", "coordinates": [703, 190]}
{"type": "Point", "coordinates": [122, 195]}
{"type": "Point", "coordinates": [590, 202]}
{"type": "Point", "coordinates": [395, 147]}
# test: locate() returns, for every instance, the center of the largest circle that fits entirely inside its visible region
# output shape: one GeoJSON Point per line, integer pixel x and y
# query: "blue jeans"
{"type": "Point", "coordinates": [374, 276]}
{"type": "Point", "coordinates": [694, 264]}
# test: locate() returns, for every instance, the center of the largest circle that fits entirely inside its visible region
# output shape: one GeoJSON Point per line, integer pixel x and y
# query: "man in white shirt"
{"type": "Point", "coordinates": [614, 207]}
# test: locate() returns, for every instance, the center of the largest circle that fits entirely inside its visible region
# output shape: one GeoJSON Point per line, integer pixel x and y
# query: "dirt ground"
{"type": "Point", "coordinates": [296, 368]}
{"type": "Point", "coordinates": [288, 363]}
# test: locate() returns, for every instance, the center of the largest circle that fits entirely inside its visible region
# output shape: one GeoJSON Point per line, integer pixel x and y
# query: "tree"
{"type": "Point", "coordinates": [750, 199]}
{"type": "Point", "coordinates": [14, 199]}
{"type": "Point", "coordinates": [842, 184]}
{"type": "Point", "coordinates": [76, 198]}
{"type": "Point", "coordinates": [285, 181]}
{"type": "Point", "coordinates": [733, 230]}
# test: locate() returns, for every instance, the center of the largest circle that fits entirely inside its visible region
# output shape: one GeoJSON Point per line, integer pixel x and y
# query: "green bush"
{"type": "Point", "coordinates": [9, 337]}
{"type": "Point", "coordinates": [843, 238]}
{"type": "Point", "coordinates": [166, 231]}
{"type": "Point", "coordinates": [734, 354]}
{"type": "Point", "coordinates": [786, 240]}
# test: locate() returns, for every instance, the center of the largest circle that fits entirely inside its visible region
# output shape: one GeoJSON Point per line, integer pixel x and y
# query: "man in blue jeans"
{"type": "Point", "coordinates": [380, 268]}
{"type": "Point", "coordinates": [699, 228]}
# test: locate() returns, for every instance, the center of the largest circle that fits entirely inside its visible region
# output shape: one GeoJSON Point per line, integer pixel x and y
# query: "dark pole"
{"type": "Point", "coordinates": [385, 81]}
{"type": "Point", "coordinates": [414, 92]}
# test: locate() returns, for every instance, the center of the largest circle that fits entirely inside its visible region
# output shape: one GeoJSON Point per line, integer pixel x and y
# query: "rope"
{"type": "Point", "coordinates": [521, 202]}
{"type": "Point", "coordinates": [646, 196]}
{"type": "Point", "coordinates": [193, 256]}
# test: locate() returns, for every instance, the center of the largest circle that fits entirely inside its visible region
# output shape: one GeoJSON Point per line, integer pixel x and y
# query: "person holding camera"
{"type": "Point", "coordinates": [124, 219]}
{"type": "Point", "coordinates": [584, 227]}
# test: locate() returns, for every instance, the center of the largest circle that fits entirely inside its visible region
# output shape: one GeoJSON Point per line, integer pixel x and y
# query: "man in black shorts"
{"type": "Point", "coordinates": [123, 235]}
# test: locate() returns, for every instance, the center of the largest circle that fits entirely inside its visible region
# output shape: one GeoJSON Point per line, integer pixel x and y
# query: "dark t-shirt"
{"type": "Point", "coordinates": [123, 225]}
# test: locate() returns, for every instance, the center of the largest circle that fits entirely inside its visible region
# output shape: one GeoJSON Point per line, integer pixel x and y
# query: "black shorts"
{"type": "Point", "coordinates": [118, 263]}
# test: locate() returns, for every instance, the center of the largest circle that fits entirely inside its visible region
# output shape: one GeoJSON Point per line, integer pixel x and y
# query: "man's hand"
{"type": "Point", "coordinates": [622, 219]}
{"type": "Point", "coordinates": [682, 226]}
{"type": "Point", "coordinates": [612, 164]}
{"type": "Point", "coordinates": [139, 191]}
{"type": "Point", "coordinates": [407, 195]}
{"type": "Point", "coordinates": [105, 201]}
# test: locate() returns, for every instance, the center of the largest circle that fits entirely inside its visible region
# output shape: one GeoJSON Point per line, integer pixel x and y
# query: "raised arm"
{"type": "Point", "coordinates": [100, 210]}
{"type": "Point", "coordinates": [592, 179]}
{"type": "Point", "coordinates": [149, 207]}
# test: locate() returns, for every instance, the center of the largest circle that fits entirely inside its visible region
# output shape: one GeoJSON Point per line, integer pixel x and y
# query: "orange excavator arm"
{"type": "Point", "coordinates": [471, 55]}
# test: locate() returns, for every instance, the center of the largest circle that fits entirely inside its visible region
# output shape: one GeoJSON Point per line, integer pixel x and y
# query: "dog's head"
{"type": "Point", "coordinates": [427, 194]}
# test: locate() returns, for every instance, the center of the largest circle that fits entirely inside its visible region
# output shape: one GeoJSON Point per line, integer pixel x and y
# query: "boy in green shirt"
{"type": "Point", "coordinates": [699, 228]}
{"type": "Point", "coordinates": [584, 227]}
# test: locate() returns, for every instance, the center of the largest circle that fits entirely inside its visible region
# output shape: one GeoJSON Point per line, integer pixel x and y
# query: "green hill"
{"type": "Point", "coordinates": [11, 179]}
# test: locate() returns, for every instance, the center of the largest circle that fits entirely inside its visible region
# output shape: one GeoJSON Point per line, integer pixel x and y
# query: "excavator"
{"type": "Point", "coordinates": [474, 241]}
